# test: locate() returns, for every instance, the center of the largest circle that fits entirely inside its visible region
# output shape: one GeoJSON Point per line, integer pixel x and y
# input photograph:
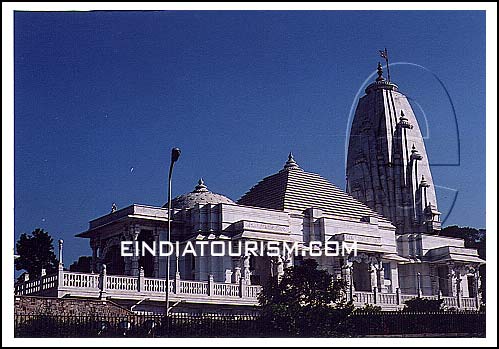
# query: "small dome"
{"type": "Point", "coordinates": [200, 195]}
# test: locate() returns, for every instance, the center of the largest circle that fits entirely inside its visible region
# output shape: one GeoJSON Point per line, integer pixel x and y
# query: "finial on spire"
{"type": "Point", "coordinates": [291, 163]}
{"type": "Point", "coordinates": [380, 73]}
{"type": "Point", "coordinates": [384, 54]}
{"type": "Point", "coordinates": [201, 186]}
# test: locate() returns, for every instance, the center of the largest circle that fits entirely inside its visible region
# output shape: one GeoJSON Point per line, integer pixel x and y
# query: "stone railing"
{"type": "Point", "coordinates": [139, 287]}
{"type": "Point", "coordinates": [397, 300]}
{"type": "Point", "coordinates": [101, 285]}
{"type": "Point", "coordinates": [80, 280]}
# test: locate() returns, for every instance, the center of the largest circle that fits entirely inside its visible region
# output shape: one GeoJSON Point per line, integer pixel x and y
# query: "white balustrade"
{"type": "Point", "coordinates": [121, 283]}
{"type": "Point", "coordinates": [193, 287]}
{"type": "Point", "coordinates": [226, 290]}
{"type": "Point", "coordinates": [253, 291]}
{"type": "Point", "coordinates": [49, 282]}
{"type": "Point", "coordinates": [450, 302]}
{"type": "Point", "coordinates": [387, 298]}
{"type": "Point", "coordinates": [154, 285]}
{"type": "Point", "coordinates": [80, 280]}
{"type": "Point", "coordinates": [468, 303]}
{"type": "Point", "coordinates": [364, 297]}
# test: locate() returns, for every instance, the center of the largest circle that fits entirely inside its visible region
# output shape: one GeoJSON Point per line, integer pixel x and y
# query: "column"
{"type": "Point", "coordinates": [347, 274]}
{"type": "Point", "coordinates": [135, 231]}
{"type": "Point", "coordinates": [246, 270]}
{"type": "Point", "coordinates": [374, 278]}
{"type": "Point", "coordinates": [156, 257]}
{"type": "Point", "coordinates": [452, 281]}
{"type": "Point", "coordinates": [61, 262]}
{"type": "Point", "coordinates": [380, 275]}
{"type": "Point", "coordinates": [477, 286]}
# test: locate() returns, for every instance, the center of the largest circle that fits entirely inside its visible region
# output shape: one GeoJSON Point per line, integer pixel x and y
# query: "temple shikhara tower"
{"type": "Point", "coordinates": [387, 165]}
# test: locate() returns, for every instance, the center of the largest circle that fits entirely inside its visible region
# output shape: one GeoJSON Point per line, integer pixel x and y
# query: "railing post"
{"type": "Point", "coordinates": [102, 282]}
{"type": "Point", "coordinates": [399, 298]}
{"type": "Point", "coordinates": [418, 280]}
{"type": "Point", "coordinates": [141, 283]}
{"type": "Point", "coordinates": [242, 287]}
{"type": "Point", "coordinates": [210, 285]}
{"type": "Point", "coordinates": [176, 288]}
{"type": "Point", "coordinates": [375, 294]}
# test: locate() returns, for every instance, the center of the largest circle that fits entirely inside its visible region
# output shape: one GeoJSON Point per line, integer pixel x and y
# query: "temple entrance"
{"type": "Point", "coordinates": [114, 262]}
{"type": "Point", "coordinates": [443, 279]}
{"type": "Point", "coordinates": [471, 286]}
{"type": "Point", "coordinates": [361, 277]}
{"type": "Point", "coordinates": [260, 268]}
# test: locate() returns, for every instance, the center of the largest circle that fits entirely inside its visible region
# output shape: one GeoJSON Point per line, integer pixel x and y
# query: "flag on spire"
{"type": "Point", "coordinates": [384, 53]}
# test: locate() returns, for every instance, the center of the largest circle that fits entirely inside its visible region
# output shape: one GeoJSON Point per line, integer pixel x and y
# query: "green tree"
{"type": "Point", "coordinates": [422, 305]}
{"type": "Point", "coordinates": [305, 302]}
{"type": "Point", "coordinates": [82, 265]}
{"type": "Point", "coordinates": [36, 252]}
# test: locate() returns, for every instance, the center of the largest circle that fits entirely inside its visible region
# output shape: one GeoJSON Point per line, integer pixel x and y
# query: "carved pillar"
{"type": "Point", "coordinates": [418, 285]}
{"type": "Point", "coordinates": [156, 257]}
{"type": "Point", "coordinates": [237, 274]}
{"type": "Point", "coordinates": [477, 287]}
{"type": "Point", "coordinates": [380, 276]}
{"type": "Point", "coordinates": [458, 289]}
{"type": "Point", "coordinates": [134, 232]}
{"type": "Point", "coordinates": [347, 275]}
{"type": "Point", "coordinates": [246, 270]}
{"type": "Point", "coordinates": [280, 268]}
{"type": "Point", "coordinates": [374, 278]}
{"type": "Point", "coordinates": [452, 280]}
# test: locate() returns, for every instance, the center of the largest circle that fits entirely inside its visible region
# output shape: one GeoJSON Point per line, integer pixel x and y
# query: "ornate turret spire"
{"type": "Point", "coordinates": [291, 163]}
{"type": "Point", "coordinates": [415, 154]}
{"type": "Point", "coordinates": [201, 187]}
{"type": "Point", "coordinates": [403, 121]}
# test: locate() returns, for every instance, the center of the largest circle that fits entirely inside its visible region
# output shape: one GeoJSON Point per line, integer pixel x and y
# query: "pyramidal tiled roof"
{"type": "Point", "coordinates": [295, 189]}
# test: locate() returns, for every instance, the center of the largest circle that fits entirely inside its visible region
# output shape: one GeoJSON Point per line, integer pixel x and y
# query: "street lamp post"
{"type": "Point", "coordinates": [174, 158]}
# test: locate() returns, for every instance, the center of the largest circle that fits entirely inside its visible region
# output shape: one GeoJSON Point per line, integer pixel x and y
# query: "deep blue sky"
{"type": "Point", "coordinates": [102, 97]}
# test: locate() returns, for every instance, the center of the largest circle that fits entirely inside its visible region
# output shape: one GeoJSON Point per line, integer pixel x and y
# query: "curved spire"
{"type": "Point", "coordinates": [291, 163]}
{"type": "Point", "coordinates": [201, 187]}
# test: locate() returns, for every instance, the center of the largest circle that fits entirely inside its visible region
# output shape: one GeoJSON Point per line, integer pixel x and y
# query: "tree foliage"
{"type": "Point", "coordinates": [36, 252]}
{"type": "Point", "coordinates": [422, 305]}
{"type": "Point", "coordinates": [305, 302]}
{"type": "Point", "coordinates": [82, 265]}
